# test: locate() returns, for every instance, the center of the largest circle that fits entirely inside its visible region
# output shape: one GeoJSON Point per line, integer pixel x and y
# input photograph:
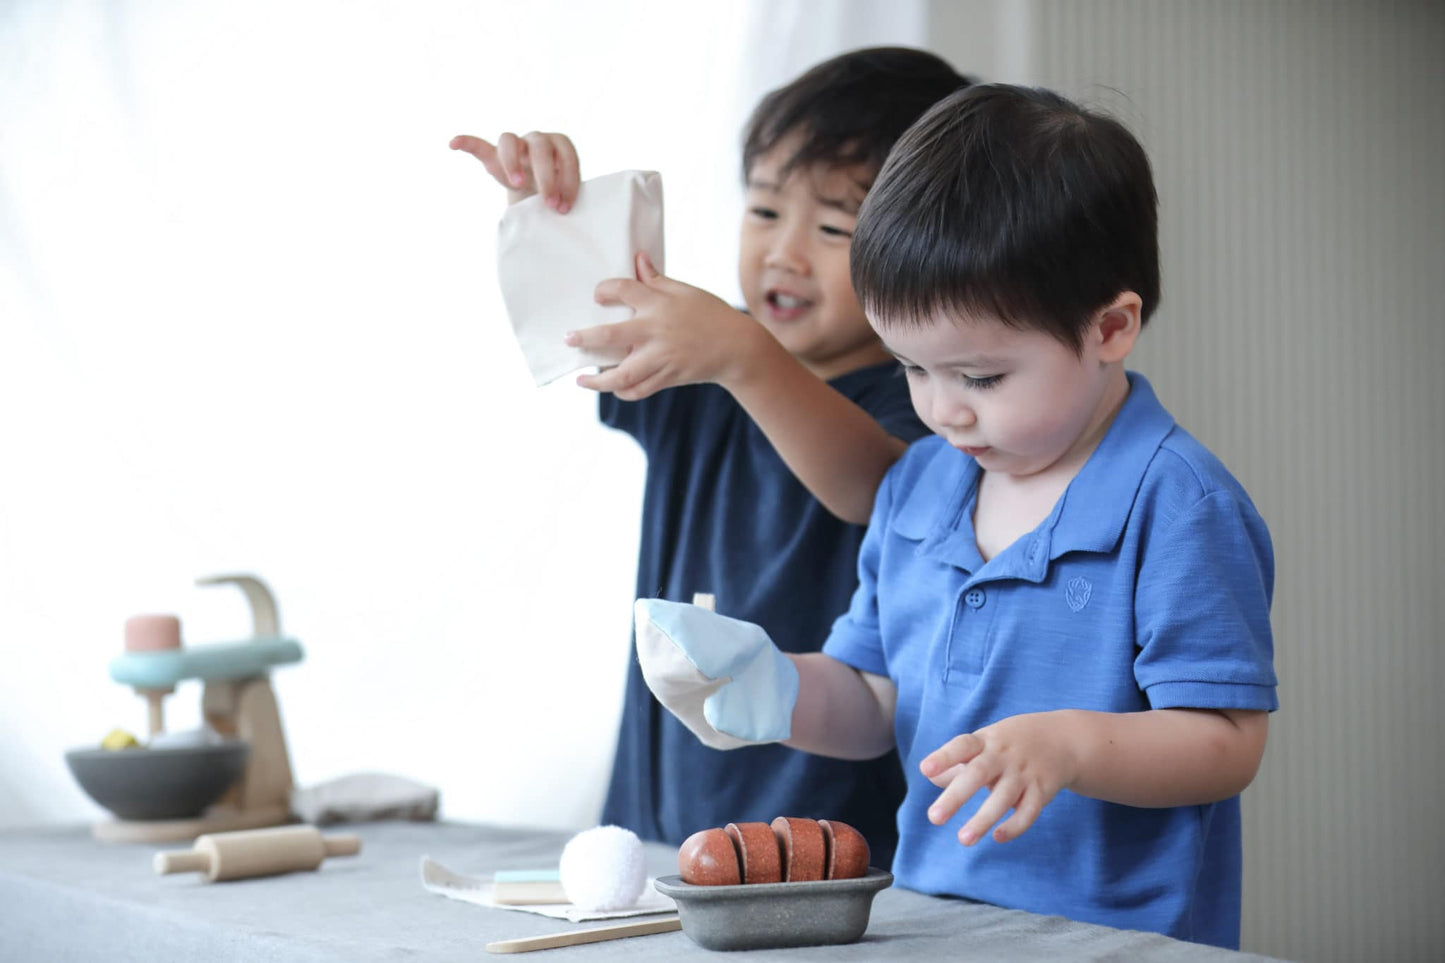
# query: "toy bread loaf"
{"type": "Point", "coordinates": [758, 854]}
{"type": "Point", "coordinates": [787, 850]}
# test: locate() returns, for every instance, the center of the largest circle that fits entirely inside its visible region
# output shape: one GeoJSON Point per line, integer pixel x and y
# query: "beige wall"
{"type": "Point", "coordinates": [1299, 149]}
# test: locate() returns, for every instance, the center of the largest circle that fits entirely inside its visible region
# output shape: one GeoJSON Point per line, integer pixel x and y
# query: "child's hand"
{"type": "Point", "coordinates": [534, 163]}
{"type": "Point", "coordinates": [1024, 760]}
{"type": "Point", "coordinates": [679, 335]}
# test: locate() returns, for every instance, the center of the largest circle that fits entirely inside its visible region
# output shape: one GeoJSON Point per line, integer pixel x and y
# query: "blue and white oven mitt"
{"type": "Point", "coordinates": [722, 677]}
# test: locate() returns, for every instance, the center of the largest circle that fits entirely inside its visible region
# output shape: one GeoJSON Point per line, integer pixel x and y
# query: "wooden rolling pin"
{"type": "Point", "coordinates": [256, 852]}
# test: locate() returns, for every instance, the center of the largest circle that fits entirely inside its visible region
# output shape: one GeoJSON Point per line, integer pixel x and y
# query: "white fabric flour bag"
{"type": "Point", "coordinates": [549, 264]}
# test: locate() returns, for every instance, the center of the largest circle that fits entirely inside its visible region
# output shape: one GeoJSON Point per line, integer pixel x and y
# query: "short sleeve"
{"type": "Point", "coordinates": [889, 404]}
{"type": "Point", "coordinates": [623, 415]}
{"type": "Point", "coordinates": [1202, 609]}
{"type": "Point", "coordinates": [855, 638]}
{"type": "Point", "coordinates": [651, 420]}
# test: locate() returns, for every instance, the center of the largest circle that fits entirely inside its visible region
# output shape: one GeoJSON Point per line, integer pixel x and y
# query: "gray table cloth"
{"type": "Point", "coordinates": [64, 896]}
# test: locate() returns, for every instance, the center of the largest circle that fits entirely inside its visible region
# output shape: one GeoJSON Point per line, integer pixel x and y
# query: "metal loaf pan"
{"type": "Point", "coordinates": [764, 915]}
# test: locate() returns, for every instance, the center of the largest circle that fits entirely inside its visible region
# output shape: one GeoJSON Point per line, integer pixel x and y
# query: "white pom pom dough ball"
{"type": "Point", "coordinates": [603, 869]}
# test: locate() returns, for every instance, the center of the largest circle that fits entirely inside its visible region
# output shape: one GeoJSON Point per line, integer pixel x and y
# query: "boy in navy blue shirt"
{"type": "Point", "coordinates": [1062, 621]}
{"type": "Point", "coordinates": [773, 538]}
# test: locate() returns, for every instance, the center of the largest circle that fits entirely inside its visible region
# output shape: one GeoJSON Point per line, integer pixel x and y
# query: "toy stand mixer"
{"type": "Point", "coordinates": [233, 774]}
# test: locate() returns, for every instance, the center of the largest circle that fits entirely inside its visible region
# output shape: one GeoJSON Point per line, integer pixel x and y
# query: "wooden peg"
{"type": "Point", "coordinates": [155, 712]}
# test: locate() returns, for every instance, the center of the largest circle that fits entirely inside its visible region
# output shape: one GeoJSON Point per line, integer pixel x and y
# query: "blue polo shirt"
{"type": "Point", "coordinates": [1148, 587]}
{"type": "Point", "coordinates": [723, 514]}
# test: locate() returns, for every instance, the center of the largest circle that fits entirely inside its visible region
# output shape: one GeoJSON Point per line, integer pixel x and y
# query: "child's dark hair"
{"type": "Point", "coordinates": [850, 109]}
{"type": "Point", "coordinates": [1013, 203]}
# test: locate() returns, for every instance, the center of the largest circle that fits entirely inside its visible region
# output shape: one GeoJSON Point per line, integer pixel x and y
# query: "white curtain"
{"type": "Point", "coordinates": [249, 323]}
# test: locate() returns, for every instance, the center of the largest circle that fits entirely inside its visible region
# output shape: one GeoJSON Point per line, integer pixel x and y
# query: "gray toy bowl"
{"type": "Point", "coordinates": [176, 783]}
{"type": "Point", "coordinates": [757, 916]}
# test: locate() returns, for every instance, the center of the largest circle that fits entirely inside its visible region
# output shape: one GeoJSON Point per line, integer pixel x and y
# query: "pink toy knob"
{"type": "Point", "coordinates": [147, 633]}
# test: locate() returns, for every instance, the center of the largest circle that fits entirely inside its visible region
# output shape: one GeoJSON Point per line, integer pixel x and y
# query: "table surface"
{"type": "Point", "coordinates": [65, 896]}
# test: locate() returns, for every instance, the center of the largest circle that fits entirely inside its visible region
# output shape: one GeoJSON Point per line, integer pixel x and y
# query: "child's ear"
{"type": "Point", "coordinates": [1116, 327]}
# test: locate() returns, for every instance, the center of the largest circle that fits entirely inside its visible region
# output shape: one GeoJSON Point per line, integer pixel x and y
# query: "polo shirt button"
{"type": "Point", "coordinates": [975, 598]}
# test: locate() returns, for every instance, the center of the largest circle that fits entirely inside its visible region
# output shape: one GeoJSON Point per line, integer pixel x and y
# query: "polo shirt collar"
{"type": "Point", "coordinates": [1096, 506]}
{"type": "Point", "coordinates": [1090, 517]}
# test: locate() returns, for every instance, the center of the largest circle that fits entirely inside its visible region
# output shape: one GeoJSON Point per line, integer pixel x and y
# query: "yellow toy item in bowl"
{"type": "Point", "coordinates": [119, 739]}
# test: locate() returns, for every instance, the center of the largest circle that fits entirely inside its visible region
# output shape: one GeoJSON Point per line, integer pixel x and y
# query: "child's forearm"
{"type": "Point", "coordinates": [1165, 757]}
{"type": "Point", "coordinates": [835, 448]}
{"type": "Point", "coordinates": [840, 711]}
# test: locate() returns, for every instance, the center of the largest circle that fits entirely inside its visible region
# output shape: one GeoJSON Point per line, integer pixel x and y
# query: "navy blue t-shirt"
{"type": "Point", "coordinates": [722, 514]}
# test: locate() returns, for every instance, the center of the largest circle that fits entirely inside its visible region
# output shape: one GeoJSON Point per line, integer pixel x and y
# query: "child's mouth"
{"type": "Point", "coordinates": [786, 307]}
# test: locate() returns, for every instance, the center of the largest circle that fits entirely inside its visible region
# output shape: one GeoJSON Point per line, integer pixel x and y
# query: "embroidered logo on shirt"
{"type": "Point", "coordinates": [1077, 593]}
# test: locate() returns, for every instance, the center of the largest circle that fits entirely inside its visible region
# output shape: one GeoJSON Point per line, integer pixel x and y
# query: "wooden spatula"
{"type": "Point", "coordinates": [597, 934]}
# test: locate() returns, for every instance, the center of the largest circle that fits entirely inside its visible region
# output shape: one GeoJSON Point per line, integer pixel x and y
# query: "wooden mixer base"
{"type": "Point", "coordinates": [217, 819]}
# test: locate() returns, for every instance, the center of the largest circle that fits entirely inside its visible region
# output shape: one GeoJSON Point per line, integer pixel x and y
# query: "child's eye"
{"type": "Point", "coordinates": [836, 231]}
{"type": "Point", "coordinates": [982, 384]}
{"type": "Point", "coordinates": [911, 370]}
{"type": "Point", "coordinates": [766, 213]}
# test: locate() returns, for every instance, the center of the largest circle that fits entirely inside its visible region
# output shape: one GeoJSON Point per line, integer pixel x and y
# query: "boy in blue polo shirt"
{"type": "Point", "coordinates": [774, 539]}
{"type": "Point", "coordinates": [1062, 621]}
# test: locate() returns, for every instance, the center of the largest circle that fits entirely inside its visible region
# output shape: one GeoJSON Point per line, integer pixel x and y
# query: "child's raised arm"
{"type": "Point", "coordinates": [680, 335]}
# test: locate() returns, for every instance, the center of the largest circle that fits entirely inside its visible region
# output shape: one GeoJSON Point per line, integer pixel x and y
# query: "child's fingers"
{"type": "Point", "coordinates": [512, 153]}
{"type": "Point", "coordinates": [482, 151]}
{"type": "Point", "coordinates": [947, 776]}
{"type": "Point", "coordinates": [554, 167]}
{"type": "Point", "coordinates": [569, 172]}
{"type": "Point", "coordinates": [593, 382]}
{"type": "Point", "coordinates": [1004, 796]}
{"type": "Point", "coordinates": [478, 148]}
{"type": "Point", "coordinates": [969, 781]}
{"type": "Point", "coordinates": [954, 752]}
{"type": "Point", "coordinates": [646, 270]}
{"type": "Point", "coordinates": [1026, 810]}
{"type": "Point", "coordinates": [954, 795]}
{"type": "Point", "coordinates": [612, 339]}
{"type": "Point", "coordinates": [645, 388]}
{"type": "Point", "coordinates": [608, 379]}
{"type": "Point", "coordinates": [620, 291]}
{"type": "Point", "coordinates": [542, 150]}
{"type": "Point", "coordinates": [618, 380]}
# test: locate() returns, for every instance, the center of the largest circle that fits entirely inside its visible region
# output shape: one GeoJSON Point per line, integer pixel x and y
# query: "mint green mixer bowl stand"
{"type": "Point", "coordinates": [216, 660]}
{"type": "Point", "coordinates": [213, 660]}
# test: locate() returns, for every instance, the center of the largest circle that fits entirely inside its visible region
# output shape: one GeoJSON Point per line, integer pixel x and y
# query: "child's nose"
{"type": "Point", "coordinates": [789, 250]}
{"type": "Point", "coordinates": [952, 412]}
